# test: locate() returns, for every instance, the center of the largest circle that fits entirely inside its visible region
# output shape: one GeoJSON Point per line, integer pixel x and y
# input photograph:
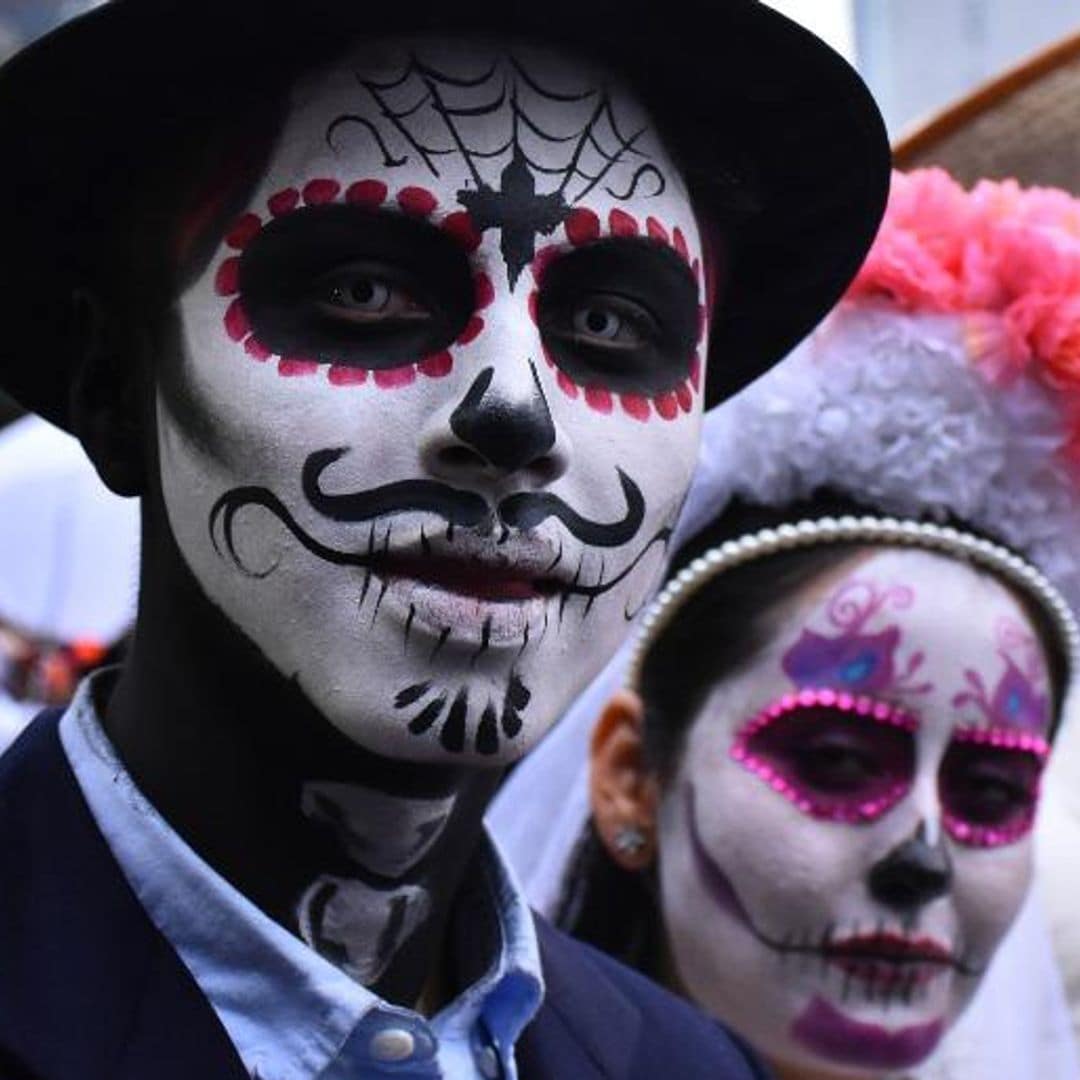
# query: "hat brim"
{"type": "Point", "coordinates": [1023, 124]}
{"type": "Point", "coordinates": [750, 88]}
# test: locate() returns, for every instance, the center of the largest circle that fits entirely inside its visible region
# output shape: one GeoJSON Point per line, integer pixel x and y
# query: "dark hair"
{"type": "Point", "coordinates": [720, 628]}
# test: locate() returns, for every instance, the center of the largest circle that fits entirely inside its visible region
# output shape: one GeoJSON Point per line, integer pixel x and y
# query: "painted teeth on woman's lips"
{"type": "Point", "coordinates": [884, 957]}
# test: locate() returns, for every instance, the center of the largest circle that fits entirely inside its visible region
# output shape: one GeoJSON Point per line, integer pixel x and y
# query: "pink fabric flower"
{"type": "Point", "coordinates": [1005, 257]}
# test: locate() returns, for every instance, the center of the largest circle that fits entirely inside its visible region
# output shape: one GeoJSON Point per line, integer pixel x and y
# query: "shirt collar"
{"type": "Point", "coordinates": [288, 1011]}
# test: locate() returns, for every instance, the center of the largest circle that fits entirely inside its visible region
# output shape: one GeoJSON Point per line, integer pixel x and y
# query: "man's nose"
{"type": "Point", "coordinates": [503, 424]}
{"type": "Point", "coordinates": [912, 874]}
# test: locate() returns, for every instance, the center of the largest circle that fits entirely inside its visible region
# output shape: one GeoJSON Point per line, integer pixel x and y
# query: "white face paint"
{"type": "Point", "coordinates": [848, 835]}
{"type": "Point", "coordinates": [438, 410]}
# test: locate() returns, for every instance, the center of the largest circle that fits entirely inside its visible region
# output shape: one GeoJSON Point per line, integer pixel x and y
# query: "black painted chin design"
{"type": "Point", "coordinates": [517, 211]}
{"type": "Point", "coordinates": [504, 716]}
{"type": "Point", "coordinates": [508, 437]}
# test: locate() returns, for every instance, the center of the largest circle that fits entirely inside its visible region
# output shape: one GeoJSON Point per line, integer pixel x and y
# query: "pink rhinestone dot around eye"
{"type": "Point", "coordinates": [825, 697]}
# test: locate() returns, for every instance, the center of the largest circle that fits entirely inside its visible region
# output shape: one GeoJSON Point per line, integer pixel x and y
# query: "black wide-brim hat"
{"type": "Point", "coordinates": [756, 110]}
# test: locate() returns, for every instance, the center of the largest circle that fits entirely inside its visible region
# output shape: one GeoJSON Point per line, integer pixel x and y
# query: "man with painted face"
{"type": "Point", "coordinates": [401, 325]}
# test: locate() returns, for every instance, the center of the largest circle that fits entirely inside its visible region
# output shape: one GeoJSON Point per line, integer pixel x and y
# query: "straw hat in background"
{"type": "Point", "coordinates": [1023, 124]}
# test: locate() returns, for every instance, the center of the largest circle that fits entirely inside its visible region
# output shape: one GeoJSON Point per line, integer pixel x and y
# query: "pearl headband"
{"type": "Point", "coordinates": [873, 530]}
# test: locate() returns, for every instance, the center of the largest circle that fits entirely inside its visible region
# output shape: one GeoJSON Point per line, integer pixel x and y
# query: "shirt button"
{"type": "Point", "coordinates": [488, 1061]}
{"type": "Point", "coordinates": [393, 1044]}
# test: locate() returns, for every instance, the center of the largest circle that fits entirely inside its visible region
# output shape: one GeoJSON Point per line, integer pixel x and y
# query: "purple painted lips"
{"type": "Point", "coordinates": [840, 1038]}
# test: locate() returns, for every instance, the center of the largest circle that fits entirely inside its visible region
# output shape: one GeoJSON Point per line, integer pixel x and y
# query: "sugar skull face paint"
{"type": "Point", "coordinates": [847, 837]}
{"type": "Point", "coordinates": [441, 392]}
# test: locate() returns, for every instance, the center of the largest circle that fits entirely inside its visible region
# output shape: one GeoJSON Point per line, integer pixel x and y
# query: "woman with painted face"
{"type": "Point", "coordinates": [813, 797]}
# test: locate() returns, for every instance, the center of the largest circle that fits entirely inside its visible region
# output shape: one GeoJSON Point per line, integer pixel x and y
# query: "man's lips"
{"type": "Point", "coordinates": [469, 577]}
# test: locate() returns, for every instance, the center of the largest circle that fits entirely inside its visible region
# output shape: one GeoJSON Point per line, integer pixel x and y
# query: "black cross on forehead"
{"type": "Point", "coordinates": [515, 208]}
{"type": "Point", "coordinates": [517, 211]}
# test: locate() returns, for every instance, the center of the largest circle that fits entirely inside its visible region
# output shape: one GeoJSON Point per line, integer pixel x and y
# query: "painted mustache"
{"type": "Point", "coordinates": [522, 510]}
{"type": "Point", "coordinates": [466, 509]}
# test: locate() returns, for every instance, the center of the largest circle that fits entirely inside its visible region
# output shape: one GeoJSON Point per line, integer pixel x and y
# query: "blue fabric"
{"type": "Point", "coordinates": [291, 1014]}
{"type": "Point", "coordinates": [90, 989]}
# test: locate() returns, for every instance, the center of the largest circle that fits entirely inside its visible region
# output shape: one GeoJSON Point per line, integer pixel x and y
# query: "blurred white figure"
{"type": "Point", "coordinates": [69, 553]}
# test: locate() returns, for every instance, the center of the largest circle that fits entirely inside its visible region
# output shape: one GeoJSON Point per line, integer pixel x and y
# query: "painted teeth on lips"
{"type": "Point", "coordinates": [867, 954]}
{"type": "Point", "coordinates": [478, 567]}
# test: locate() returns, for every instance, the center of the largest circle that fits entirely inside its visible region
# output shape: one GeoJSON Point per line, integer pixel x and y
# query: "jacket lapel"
{"type": "Point", "coordinates": [89, 989]}
{"type": "Point", "coordinates": [587, 1027]}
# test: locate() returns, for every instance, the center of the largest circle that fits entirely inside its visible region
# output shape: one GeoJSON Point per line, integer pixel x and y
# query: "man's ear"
{"type": "Point", "coordinates": [624, 793]}
{"type": "Point", "coordinates": [106, 395]}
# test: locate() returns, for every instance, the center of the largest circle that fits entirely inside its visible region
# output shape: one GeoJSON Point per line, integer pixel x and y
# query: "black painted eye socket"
{"type": "Point", "coordinates": [621, 313]}
{"type": "Point", "coordinates": [347, 285]}
{"type": "Point", "coordinates": [989, 785]}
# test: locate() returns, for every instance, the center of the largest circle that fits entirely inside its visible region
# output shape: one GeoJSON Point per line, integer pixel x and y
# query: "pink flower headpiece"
{"type": "Point", "coordinates": [1005, 258]}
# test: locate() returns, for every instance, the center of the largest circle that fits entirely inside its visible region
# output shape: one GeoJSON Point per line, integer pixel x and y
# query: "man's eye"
{"type": "Point", "coordinates": [610, 322]}
{"type": "Point", "coordinates": [364, 298]}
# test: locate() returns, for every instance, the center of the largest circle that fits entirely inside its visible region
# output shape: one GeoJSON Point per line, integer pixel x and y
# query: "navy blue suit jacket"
{"type": "Point", "coordinates": [90, 990]}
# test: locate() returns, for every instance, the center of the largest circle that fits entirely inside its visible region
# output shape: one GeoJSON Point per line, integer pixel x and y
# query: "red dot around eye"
{"type": "Point", "coordinates": [636, 406]}
{"type": "Point", "coordinates": [547, 356]}
{"type": "Point", "coordinates": [598, 398]}
{"type": "Point", "coordinates": [318, 192]}
{"type": "Point", "coordinates": [473, 329]}
{"type": "Point", "coordinates": [667, 406]}
{"type": "Point", "coordinates": [483, 291]}
{"type": "Point", "coordinates": [236, 321]}
{"type": "Point", "coordinates": [291, 366]}
{"type": "Point", "coordinates": [582, 226]}
{"type": "Point", "coordinates": [227, 278]}
{"type": "Point", "coordinates": [393, 378]}
{"type": "Point", "coordinates": [566, 384]}
{"type": "Point", "coordinates": [656, 230]}
{"type": "Point", "coordinates": [242, 230]}
{"type": "Point", "coordinates": [685, 396]}
{"type": "Point", "coordinates": [695, 372]}
{"type": "Point", "coordinates": [417, 200]}
{"type": "Point", "coordinates": [622, 224]}
{"type": "Point", "coordinates": [679, 243]}
{"type": "Point", "coordinates": [534, 300]}
{"type": "Point", "coordinates": [256, 349]}
{"type": "Point", "coordinates": [460, 228]}
{"type": "Point", "coordinates": [437, 365]}
{"type": "Point", "coordinates": [283, 202]}
{"type": "Point", "coordinates": [543, 259]}
{"type": "Point", "coordinates": [346, 375]}
{"type": "Point", "coordinates": [369, 193]}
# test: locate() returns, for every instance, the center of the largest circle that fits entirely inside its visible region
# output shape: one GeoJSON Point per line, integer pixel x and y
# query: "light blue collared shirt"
{"type": "Point", "coordinates": [291, 1014]}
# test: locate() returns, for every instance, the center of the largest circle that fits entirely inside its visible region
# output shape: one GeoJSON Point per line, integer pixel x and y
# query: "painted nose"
{"type": "Point", "coordinates": [500, 430]}
{"type": "Point", "coordinates": [911, 875]}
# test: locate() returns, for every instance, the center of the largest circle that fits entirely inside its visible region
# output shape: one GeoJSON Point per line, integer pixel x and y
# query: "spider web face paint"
{"type": "Point", "coordinates": [847, 837]}
{"type": "Point", "coordinates": [440, 396]}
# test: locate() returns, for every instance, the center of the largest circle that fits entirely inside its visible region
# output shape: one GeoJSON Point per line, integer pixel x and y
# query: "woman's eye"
{"type": "Point", "coordinates": [364, 298]}
{"type": "Point", "coordinates": [836, 767]}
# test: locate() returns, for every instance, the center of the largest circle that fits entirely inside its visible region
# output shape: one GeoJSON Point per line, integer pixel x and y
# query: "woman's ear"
{"type": "Point", "coordinates": [624, 793]}
{"type": "Point", "coordinates": [106, 395]}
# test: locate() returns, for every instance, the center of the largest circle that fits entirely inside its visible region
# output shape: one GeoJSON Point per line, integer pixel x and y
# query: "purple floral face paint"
{"type": "Point", "coordinates": [898, 719]}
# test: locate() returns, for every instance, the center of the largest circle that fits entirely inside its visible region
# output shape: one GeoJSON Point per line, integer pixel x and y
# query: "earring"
{"type": "Point", "coordinates": [630, 839]}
